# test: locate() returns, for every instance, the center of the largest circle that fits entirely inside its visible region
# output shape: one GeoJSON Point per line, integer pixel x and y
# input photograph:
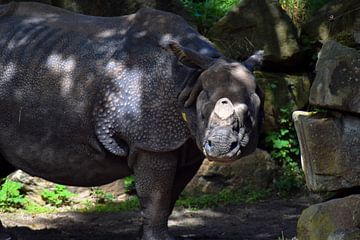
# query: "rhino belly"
{"type": "Point", "coordinates": [77, 161]}
{"type": "Point", "coordinates": [54, 139]}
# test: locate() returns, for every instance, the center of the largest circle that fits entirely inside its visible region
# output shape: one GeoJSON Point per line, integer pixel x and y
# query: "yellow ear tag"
{"type": "Point", "coordinates": [184, 116]}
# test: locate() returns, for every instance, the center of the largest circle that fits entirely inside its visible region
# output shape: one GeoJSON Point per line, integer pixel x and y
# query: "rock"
{"type": "Point", "coordinates": [254, 25]}
{"type": "Point", "coordinates": [33, 186]}
{"type": "Point", "coordinates": [345, 235]}
{"type": "Point", "coordinates": [333, 220]}
{"type": "Point", "coordinates": [357, 37]}
{"type": "Point", "coordinates": [336, 20]}
{"type": "Point", "coordinates": [280, 91]}
{"type": "Point", "coordinates": [337, 82]}
{"type": "Point", "coordinates": [330, 150]}
{"type": "Point", "coordinates": [256, 170]}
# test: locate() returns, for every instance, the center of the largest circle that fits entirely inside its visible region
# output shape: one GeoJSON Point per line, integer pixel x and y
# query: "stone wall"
{"type": "Point", "coordinates": [330, 145]}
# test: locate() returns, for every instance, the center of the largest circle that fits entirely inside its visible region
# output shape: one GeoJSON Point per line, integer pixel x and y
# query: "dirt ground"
{"type": "Point", "coordinates": [267, 219]}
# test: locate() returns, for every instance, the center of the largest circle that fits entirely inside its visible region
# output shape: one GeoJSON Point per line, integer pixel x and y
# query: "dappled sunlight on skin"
{"type": "Point", "coordinates": [45, 18]}
{"type": "Point", "coordinates": [107, 33]}
{"type": "Point", "coordinates": [7, 73]}
{"type": "Point", "coordinates": [65, 68]}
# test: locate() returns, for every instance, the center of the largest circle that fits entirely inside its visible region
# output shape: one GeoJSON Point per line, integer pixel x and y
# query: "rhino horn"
{"type": "Point", "coordinates": [224, 109]}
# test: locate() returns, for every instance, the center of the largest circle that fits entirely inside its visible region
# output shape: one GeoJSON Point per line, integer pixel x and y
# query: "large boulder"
{"type": "Point", "coordinates": [337, 219]}
{"type": "Point", "coordinates": [337, 20]}
{"type": "Point", "coordinates": [256, 170]}
{"type": "Point", "coordinates": [337, 82]}
{"type": "Point", "coordinates": [330, 150]}
{"type": "Point", "coordinates": [33, 186]}
{"type": "Point", "coordinates": [345, 235]}
{"type": "Point", "coordinates": [254, 25]}
{"type": "Point", "coordinates": [282, 91]}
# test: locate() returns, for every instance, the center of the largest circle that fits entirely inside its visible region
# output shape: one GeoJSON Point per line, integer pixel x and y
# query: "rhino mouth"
{"type": "Point", "coordinates": [224, 144]}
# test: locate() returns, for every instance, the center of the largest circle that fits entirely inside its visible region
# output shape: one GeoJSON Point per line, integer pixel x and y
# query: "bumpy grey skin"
{"type": "Point", "coordinates": [87, 100]}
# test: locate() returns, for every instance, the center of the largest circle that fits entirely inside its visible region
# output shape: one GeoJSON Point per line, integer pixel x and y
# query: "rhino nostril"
{"type": "Point", "coordinates": [208, 146]}
{"type": "Point", "coordinates": [233, 145]}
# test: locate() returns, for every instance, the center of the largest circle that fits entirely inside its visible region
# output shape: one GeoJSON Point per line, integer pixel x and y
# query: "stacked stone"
{"type": "Point", "coordinates": [330, 145]}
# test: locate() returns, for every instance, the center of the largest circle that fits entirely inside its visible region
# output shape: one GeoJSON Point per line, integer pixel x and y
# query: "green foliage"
{"type": "Point", "coordinates": [284, 149]}
{"type": "Point", "coordinates": [34, 208]}
{"type": "Point", "coordinates": [102, 196]}
{"type": "Point", "coordinates": [11, 196]}
{"type": "Point", "coordinates": [225, 197]}
{"type": "Point", "coordinates": [129, 185]}
{"type": "Point", "coordinates": [301, 10]}
{"type": "Point", "coordinates": [130, 204]}
{"type": "Point", "coordinates": [58, 197]}
{"type": "Point", "coordinates": [207, 12]}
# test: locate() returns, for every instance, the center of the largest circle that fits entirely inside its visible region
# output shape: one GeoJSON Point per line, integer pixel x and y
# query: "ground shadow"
{"type": "Point", "coordinates": [263, 221]}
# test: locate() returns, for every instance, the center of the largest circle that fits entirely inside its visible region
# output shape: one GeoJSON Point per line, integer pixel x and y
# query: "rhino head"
{"type": "Point", "coordinates": [228, 102]}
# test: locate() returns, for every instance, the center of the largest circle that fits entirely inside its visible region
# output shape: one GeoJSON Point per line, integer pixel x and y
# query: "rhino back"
{"type": "Point", "coordinates": [62, 75]}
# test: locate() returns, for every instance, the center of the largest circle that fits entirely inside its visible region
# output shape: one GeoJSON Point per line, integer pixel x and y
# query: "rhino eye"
{"type": "Point", "coordinates": [205, 110]}
{"type": "Point", "coordinates": [202, 115]}
{"type": "Point", "coordinates": [236, 127]}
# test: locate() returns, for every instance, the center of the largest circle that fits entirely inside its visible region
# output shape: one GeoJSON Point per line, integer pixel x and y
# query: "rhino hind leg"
{"type": "Point", "coordinates": [4, 235]}
{"type": "Point", "coordinates": [5, 168]}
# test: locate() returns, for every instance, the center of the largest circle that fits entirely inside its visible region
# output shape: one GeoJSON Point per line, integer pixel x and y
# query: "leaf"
{"type": "Point", "coordinates": [279, 144]}
{"type": "Point", "coordinates": [284, 132]}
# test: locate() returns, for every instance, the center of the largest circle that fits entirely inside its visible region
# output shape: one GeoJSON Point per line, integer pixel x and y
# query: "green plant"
{"type": "Point", "coordinates": [301, 10]}
{"type": "Point", "coordinates": [132, 203]}
{"type": "Point", "coordinates": [58, 197]}
{"type": "Point", "coordinates": [11, 196]}
{"type": "Point", "coordinates": [284, 149]}
{"type": "Point", "coordinates": [225, 197]}
{"type": "Point", "coordinates": [129, 185]}
{"type": "Point", "coordinates": [207, 12]}
{"type": "Point", "coordinates": [34, 208]}
{"type": "Point", "coordinates": [102, 196]}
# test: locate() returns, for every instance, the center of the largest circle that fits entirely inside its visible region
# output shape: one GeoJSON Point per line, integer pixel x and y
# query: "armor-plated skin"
{"type": "Point", "coordinates": [88, 100]}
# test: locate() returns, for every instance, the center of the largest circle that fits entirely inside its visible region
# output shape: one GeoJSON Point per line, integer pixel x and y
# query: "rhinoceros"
{"type": "Point", "coordinates": [87, 100]}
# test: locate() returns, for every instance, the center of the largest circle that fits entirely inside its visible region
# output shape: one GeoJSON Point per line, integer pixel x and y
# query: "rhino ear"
{"type": "Point", "coordinates": [254, 61]}
{"type": "Point", "coordinates": [188, 56]}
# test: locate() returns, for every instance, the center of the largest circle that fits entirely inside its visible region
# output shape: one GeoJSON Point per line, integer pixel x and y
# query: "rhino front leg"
{"type": "Point", "coordinates": [154, 177]}
{"type": "Point", "coordinates": [189, 162]}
